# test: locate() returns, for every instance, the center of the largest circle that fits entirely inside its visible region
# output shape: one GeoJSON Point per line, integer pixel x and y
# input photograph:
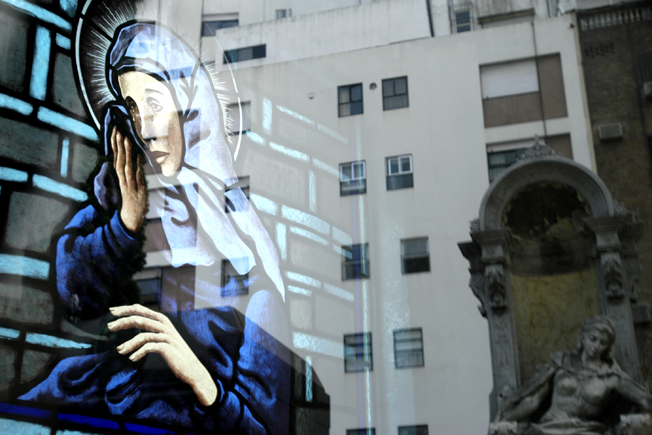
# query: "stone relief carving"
{"type": "Point", "coordinates": [579, 392]}
{"type": "Point", "coordinates": [537, 151]}
{"type": "Point", "coordinates": [496, 286]}
{"type": "Point", "coordinates": [612, 274]}
{"type": "Point", "coordinates": [474, 225]}
{"type": "Point", "coordinates": [477, 287]}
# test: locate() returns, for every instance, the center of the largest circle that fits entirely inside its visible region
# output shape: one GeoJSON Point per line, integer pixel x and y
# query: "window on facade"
{"type": "Point", "coordinates": [363, 431]}
{"type": "Point", "coordinates": [408, 348]}
{"type": "Point", "coordinates": [149, 286]}
{"type": "Point", "coordinates": [209, 27]}
{"type": "Point", "coordinates": [413, 430]}
{"type": "Point", "coordinates": [234, 284]}
{"type": "Point", "coordinates": [399, 172]}
{"type": "Point", "coordinates": [511, 78]}
{"type": "Point", "coordinates": [239, 117]}
{"type": "Point", "coordinates": [500, 160]}
{"type": "Point", "coordinates": [355, 263]}
{"type": "Point", "coordinates": [357, 352]}
{"type": "Point", "coordinates": [461, 15]}
{"type": "Point", "coordinates": [247, 53]}
{"type": "Point", "coordinates": [415, 255]}
{"type": "Point", "coordinates": [349, 99]}
{"type": "Point", "coordinates": [523, 91]}
{"type": "Point", "coordinates": [463, 21]}
{"type": "Point", "coordinates": [353, 178]}
{"type": "Point", "coordinates": [283, 13]}
{"type": "Point", "coordinates": [395, 93]}
{"type": "Point", "coordinates": [234, 203]}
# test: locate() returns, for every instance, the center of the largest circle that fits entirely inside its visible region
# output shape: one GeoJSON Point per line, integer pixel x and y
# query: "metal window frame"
{"type": "Point", "coordinates": [400, 171]}
{"type": "Point", "coordinates": [205, 24]}
{"type": "Point", "coordinates": [232, 56]}
{"type": "Point", "coordinates": [340, 104]}
{"type": "Point", "coordinates": [455, 8]}
{"type": "Point", "coordinates": [364, 342]}
{"type": "Point", "coordinates": [405, 256]}
{"type": "Point", "coordinates": [406, 93]}
{"type": "Point", "coordinates": [361, 263]}
{"type": "Point", "coordinates": [350, 164]}
{"type": "Point", "coordinates": [397, 352]}
{"type": "Point", "coordinates": [353, 185]}
{"type": "Point", "coordinates": [517, 152]}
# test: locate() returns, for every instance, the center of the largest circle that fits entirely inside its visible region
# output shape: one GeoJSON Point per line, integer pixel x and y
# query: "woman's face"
{"type": "Point", "coordinates": [155, 118]}
{"type": "Point", "coordinates": [595, 343]}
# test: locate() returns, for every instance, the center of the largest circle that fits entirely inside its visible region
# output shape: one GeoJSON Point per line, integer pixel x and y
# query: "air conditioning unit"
{"type": "Point", "coordinates": [609, 132]}
{"type": "Point", "coordinates": [647, 91]}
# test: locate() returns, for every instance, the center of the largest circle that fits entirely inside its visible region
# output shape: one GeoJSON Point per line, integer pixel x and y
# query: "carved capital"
{"type": "Point", "coordinates": [496, 286]}
{"type": "Point", "coordinates": [612, 274]}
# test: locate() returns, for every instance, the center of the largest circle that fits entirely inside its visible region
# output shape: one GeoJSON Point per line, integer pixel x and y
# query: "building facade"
{"type": "Point", "coordinates": [364, 133]}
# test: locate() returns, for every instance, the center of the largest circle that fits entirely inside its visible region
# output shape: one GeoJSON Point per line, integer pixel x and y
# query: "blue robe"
{"type": "Point", "coordinates": [250, 367]}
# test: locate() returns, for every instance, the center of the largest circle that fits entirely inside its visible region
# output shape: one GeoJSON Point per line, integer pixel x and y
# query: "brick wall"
{"type": "Point", "coordinates": [613, 40]}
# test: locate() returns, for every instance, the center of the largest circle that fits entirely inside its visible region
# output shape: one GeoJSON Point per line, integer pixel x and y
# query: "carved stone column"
{"type": "Point", "coordinates": [615, 284]}
{"type": "Point", "coordinates": [491, 284]}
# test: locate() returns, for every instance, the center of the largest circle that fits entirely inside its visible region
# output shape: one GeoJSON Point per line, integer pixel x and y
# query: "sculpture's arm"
{"type": "Point", "coordinates": [632, 392]}
{"type": "Point", "coordinates": [526, 405]}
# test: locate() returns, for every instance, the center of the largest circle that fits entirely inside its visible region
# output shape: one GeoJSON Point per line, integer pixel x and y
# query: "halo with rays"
{"type": "Point", "coordinates": [96, 27]}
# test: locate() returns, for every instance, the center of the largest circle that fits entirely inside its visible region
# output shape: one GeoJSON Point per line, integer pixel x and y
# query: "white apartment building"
{"type": "Point", "coordinates": [367, 136]}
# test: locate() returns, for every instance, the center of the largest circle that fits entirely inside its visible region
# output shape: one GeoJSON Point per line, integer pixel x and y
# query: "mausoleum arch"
{"type": "Point", "coordinates": [548, 169]}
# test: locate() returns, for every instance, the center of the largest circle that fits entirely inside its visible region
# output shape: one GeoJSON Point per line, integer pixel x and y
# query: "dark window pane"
{"type": "Point", "coordinates": [209, 27]}
{"type": "Point", "coordinates": [356, 93]}
{"type": "Point", "coordinates": [415, 255]}
{"type": "Point", "coordinates": [388, 88]}
{"type": "Point", "coordinates": [358, 170]}
{"type": "Point", "coordinates": [393, 166]}
{"type": "Point", "coordinates": [230, 56]}
{"type": "Point", "coordinates": [406, 164]}
{"type": "Point", "coordinates": [345, 172]}
{"type": "Point", "coordinates": [499, 161]}
{"type": "Point", "coordinates": [463, 17]}
{"type": "Point", "coordinates": [402, 181]}
{"type": "Point", "coordinates": [356, 108]}
{"type": "Point", "coordinates": [353, 187]}
{"type": "Point", "coordinates": [400, 86]}
{"type": "Point", "coordinates": [259, 51]}
{"type": "Point", "coordinates": [395, 93]}
{"type": "Point", "coordinates": [245, 54]}
{"type": "Point", "coordinates": [417, 264]}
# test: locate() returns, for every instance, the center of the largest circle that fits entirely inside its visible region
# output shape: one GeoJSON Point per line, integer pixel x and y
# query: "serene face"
{"type": "Point", "coordinates": [155, 117]}
{"type": "Point", "coordinates": [595, 343]}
